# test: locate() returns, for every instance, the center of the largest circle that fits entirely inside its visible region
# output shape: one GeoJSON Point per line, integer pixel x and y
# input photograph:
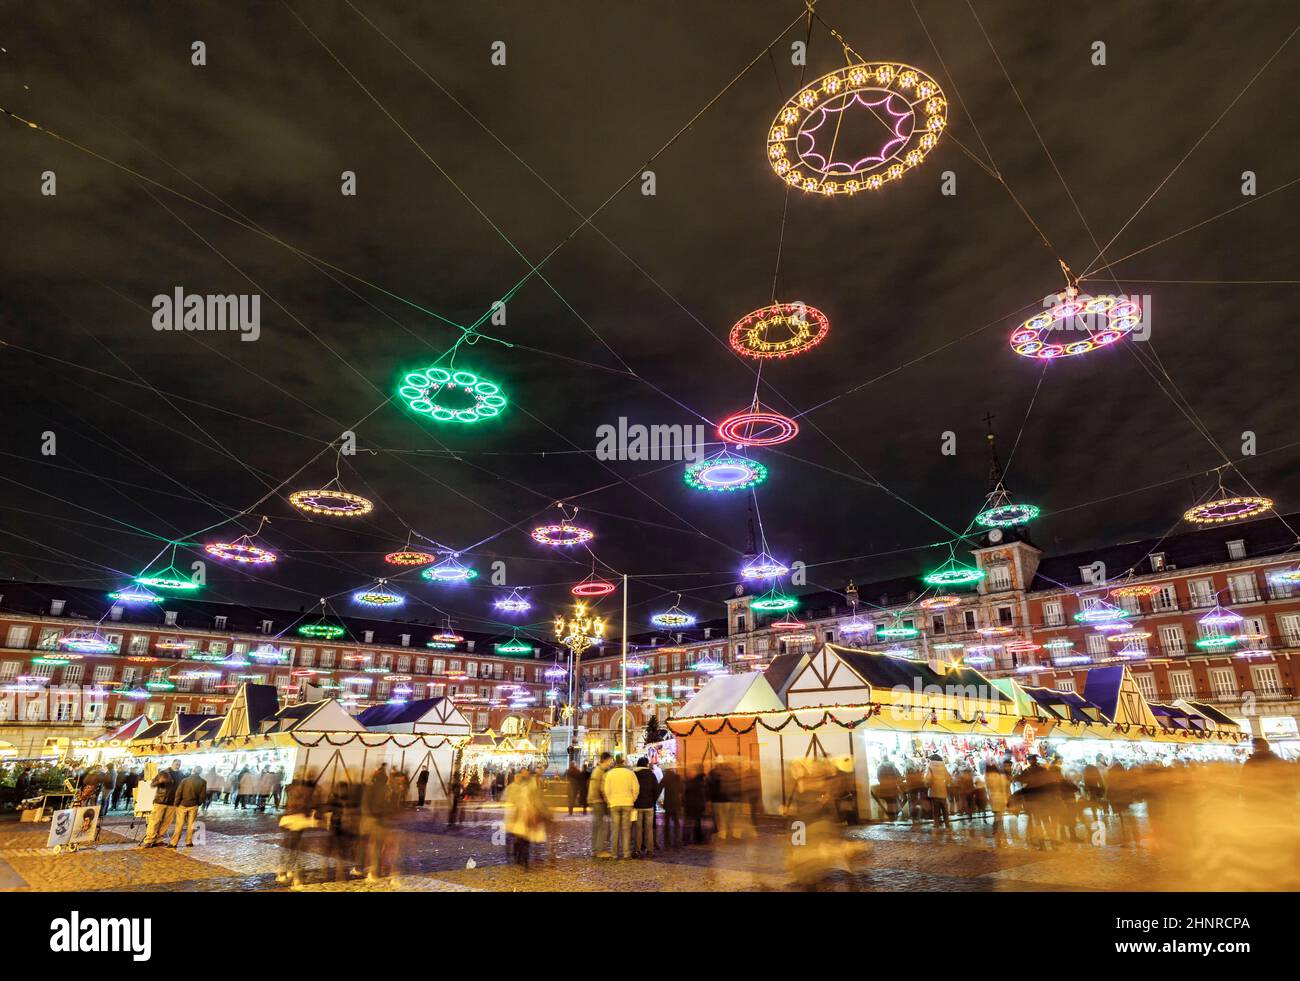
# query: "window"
{"type": "Point", "coordinates": [131, 676]}
{"type": "Point", "coordinates": [72, 674]}
{"type": "Point", "coordinates": [677, 655]}
{"type": "Point", "coordinates": [471, 669]}
{"type": "Point", "coordinates": [969, 619]}
{"type": "Point", "coordinates": [49, 638]}
{"type": "Point", "coordinates": [139, 644]}
{"type": "Point", "coordinates": [103, 672]}
{"type": "Point", "coordinates": [169, 617]}
{"type": "Point", "coordinates": [1130, 604]}
{"type": "Point", "coordinates": [406, 640]}
{"type": "Point", "coordinates": [1244, 588]}
{"type": "Point", "coordinates": [1053, 613]}
{"type": "Point", "coordinates": [740, 623]}
{"type": "Point", "coordinates": [439, 665]}
{"type": "Point", "coordinates": [1172, 640]}
{"type": "Point", "coordinates": [115, 613]}
{"type": "Point", "coordinates": [421, 665]}
{"type": "Point", "coordinates": [125, 710]}
{"type": "Point", "coordinates": [1182, 684]}
{"type": "Point", "coordinates": [1223, 682]}
{"type": "Point", "coordinates": [999, 577]}
{"type": "Point", "coordinates": [1255, 629]}
{"type": "Point", "coordinates": [219, 623]}
{"type": "Point", "coordinates": [1266, 679]}
{"type": "Point", "coordinates": [1157, 561]}
{"type": "Point", "coordinates": [268, 626]}
{"type": "Point", "coordinates": [1004, 616]}
{"type": "Point", "coordinates": [1165, 600]}
{"type": "Point", "coordinates": [1237, 549]}
{"type": "Point", "coordinates": [367, 636]}
{"type": "Point", "coordinates": [41, 670]}
{"type": "Point", "coordinates": [18, 636]}
{"type": "Point", "coordinates": [1146, 685]}
{"type": "Point", "coordinates": [308, 657]}
{"type": "Point", "coordinates": [1096, 644]}
{"type": "Point", "coordinates": [327, 658]}
{"type": "Point", "coordinates": [63, 711]}
{"type": "Point", "coordinates": [9, 670]}
{"type": "Point", "coordinates": [404, 662]}
{"type": "Point", "coordinates": [937, 624]}
{"type": "Point", "coordinates": [386, 662]}
{"type": "Point", "coordinates": [519, 672]}
{"type": "Point", "coordinates": [829, 636]}
{"type": "Point", "coordinates": [1065, 684]}
{"type": "Point", "coordinates": [1201, 592]}
{"type": "Point", "coordinates": [217, 647]}
{"type": "Point", "coordinates": [56, 607]}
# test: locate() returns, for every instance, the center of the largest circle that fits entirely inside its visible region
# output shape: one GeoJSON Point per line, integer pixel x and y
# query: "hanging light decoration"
{"type": "Point", "coordinates": [1286, 577]}
{"type": "Point", "coordinates": [999, 511]}
{"type": "Point", "coordinates": [1129, 637]}
{"type": "Point", "coordinates": [943, 601]}
{"type": "Point", "coordinates": [170, 578]}
{"type": "Point", "coordinates": [451, 396]}
{"type": "Point", "coordinates": [555, 672]}
{"type": "Point", "coordinates": [1134, 590]}
{"type": "Point", "coordinates": [322, 630]}
{"type": "Point", "coordinates": [409, 557]}
{"type": "Point", "coordinates": [723, 472]}
{"type": "Point", "coordinates": [1113, 317]}
{"type": "Point", "coordinates": [449, 570]}
{"type": "Point", "coordinates": [774, 602]}
{"type": "Point", "coordinates": [135, 596]}
{"type": "Point", "coordinates": [763, 566]}
{"type": "Point", "coordinates": [331, 501]}
{"type": "Point", "coordinates": [378, 595]}
{"type": "Point", "coordinates": [856, 625]}
{"type": "Point", "coordinates": [268, 654]}
{"type": "Point", "coordinates": [802, 141]}
{"type": "Point", "coordinates": [562, 534]}
{"type": "Point", "coordinates": [1100, 612]}
{"type": "Point", "coordinates": [514, 645]}
{"type": "Point", "coordinates": [953, 573]}
{"type": "Point", "coordinates": [674, 616]}
{"type": "Point", "coordinates": [1227, 509]}
{"type": "Point", "coordinates": [88, 642]}
{"type": "Point", "coordinates": [757, 426]}
{"type": "Point", "coordinates": [592, 587]}
{"type": "Point", "coordinates": [997, 630]}
{"type": "Point", "coordinates": [1219, 617]}
{"type": "Point", "coordinates": [446, 634]}
{"type": "Point", "coordinates": [241, 550]}
{"type": "Point", "coordinates": [514, 603]}
{"type": "Point", "coordinates": [779, 331]}
{"type": "Point", "coordinates": [897, 630]}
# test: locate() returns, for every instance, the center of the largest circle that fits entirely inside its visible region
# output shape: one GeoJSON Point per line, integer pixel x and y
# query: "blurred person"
{"type": "Point", "coordinates": [422, 788]}
{"type": "Point", "coordinates": [399, 785]}
{"type": "Point", "coordinates": [963, 791]}
{"type": "Point", "coordinates": [299, 815]}
{"type": "Point", "coordinates": [262, 792]}
{"type": "Point", "coordinates": [644, 820]}
{"type": "Point", "coordinates": [888, 789]}
{"type": "Point", "coordinates": [997, 785]}
{"type": "Point", "coordinates": [937, 781]}
{"type": "Point", "coordinates": [376, 806]}
{"type": "Point", "coordinates": [695, 799]}
{"type": "Point", "coordinates": [1094, 787]}
{"type": "Point", "coordinates": [340, 820]}
{"type": "Point", "coordinates": [191, 794]}
{"type": "Point", "coordinates": [673, 788]}
{"type": "Point", "coordinates": [1066, 810]}
{"type": "Point", "coordinates": [573, 776]}
{"type": "Point", "coordinates": [600, 816]}
{"type": "Point", "coordinates": [165, 785]}
{"type": "Point", "coordinates": [277, 782]}
{"type": "Point", "coordinates": [455, 795]}
{"type": "Point", "coordinates": [247, 788]}
{"type": "Point", "coordinates": [724, 793]}
{"type": "Point", "coordinates": [621, 788]}
{"type": "Point", "coordinates": [817, 851]}
{"type": "Point", "coordinates": [544, 809]}
{"type": "Point", "coordinates": [1034, 788]}
{"type": "Point", "coordinates": [524, 823]}
{"type": "Point", "coordinates": [584, 788]}
{"type": "Point", "coordinates": [914, 785]}
{"type": "Point", "coordinates": [118, 791]}
{"type": "Point", "coordinates": [1122, 792]}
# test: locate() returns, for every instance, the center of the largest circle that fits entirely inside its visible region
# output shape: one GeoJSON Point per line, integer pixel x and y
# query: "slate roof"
{"type": "Point", "coordinates": [1051, 698]}
{"type": "Point", "coordinates": [887, 671]}
{"type": "Point", "coordinates": [384, 714]}
{"type": "Point", "coordinates": [1102, 688]}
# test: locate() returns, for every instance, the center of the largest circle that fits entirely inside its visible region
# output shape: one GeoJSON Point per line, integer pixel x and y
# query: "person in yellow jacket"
{"type": "Point", "coordinates": [620, 788]}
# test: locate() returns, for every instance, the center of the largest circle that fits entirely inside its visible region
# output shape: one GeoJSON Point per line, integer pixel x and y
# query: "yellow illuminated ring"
{"type": "Point", "coordinates": [803, 141]}
{"type": "Point", "coordinates": [1227, 509]}
{"type": "Point", "coordinates": [334, 503]}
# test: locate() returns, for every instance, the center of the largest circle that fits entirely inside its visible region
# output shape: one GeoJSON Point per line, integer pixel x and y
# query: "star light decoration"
{"type": "Point", "coordinates": [804, 146]}
{"type": "Point", "coordinates": [757, 426]}
{"type": "Point", "coordinates": [723, 472]}
{"type": "Point", "coordinates": [451, 396]}
{"type": "Point", "coordinates": [1113, 317]}
{"type": "Point", "coordinates": [780, 330]}
{"type": "Point", "coordinates": [331, 503]}
{"type": "Point", "coordinates": [1227, 509]}
{"type": "Point", "coordinates": [241, 550]}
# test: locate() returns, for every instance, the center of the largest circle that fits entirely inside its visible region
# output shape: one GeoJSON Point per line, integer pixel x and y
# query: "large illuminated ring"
{"type": "Point", "coordinates": [953, 573]}
{"type": "Point", "coordinates": [797, 327]}
{"type": "Point", "coordinates": [1136, 590]}
{"type": "Point", "coordinates": [940, 602]}
{"type": "Point", "coordinates": [804, 141]}
{"type": "Point", "coordinates": [1007, 515]}
{"type": "Point", "coordinates": [764, 566]}
{"type": "Point", "coordinates": [757, 428]}
{"type": "Point", "coordinates": [377, 596]}
{"type": "Point", "coordinates": [724, 472]}
{"type": "Point", "coordinates": [672, 618]}
{"type": "Point", "coordinates": [239, 552]}
{"type": "Point", "coordinates": [562, 534]}
{"type": "Point", "coordinates": [449, 570]}
{"type": "Point", "coordinates": [333, 503]}
{"type": "Point", "coordinates": [1227, 509]}
{"type": "Point", "coordinates": [774, 602]}
{"type": "Point", "coordinates": [1287, 577]}
{"type": "Point", "coordinates": [590, 588]}
{"type": "Point", "coordinates": [409, 557]}
{"type": "Point", "coordinates": [470, 397]}
{"type": "Point", "coordinates": [326, 631]}
{"type": "Point", "coordinates": [1112, 317]}
{"type": "Point", "coordinates": [168, 582]}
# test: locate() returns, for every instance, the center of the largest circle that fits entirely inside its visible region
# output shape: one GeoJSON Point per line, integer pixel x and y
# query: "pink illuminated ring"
{"type": "Point", "coordinates": [593, 587]}
{"type": "Point", "coordinates": [562, 534]}
{"type": "Point", "coordinates": [248, 554]}
{"type": "Point", "coordinates": [757, 428]}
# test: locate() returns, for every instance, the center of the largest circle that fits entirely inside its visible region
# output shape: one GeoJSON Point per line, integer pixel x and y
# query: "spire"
{"type": "Point", "coordinates": [995, 465]}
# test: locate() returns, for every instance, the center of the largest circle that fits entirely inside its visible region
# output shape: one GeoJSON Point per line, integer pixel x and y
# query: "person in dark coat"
{"type": "Point", "coordinates": [695, 798]}
{"type": "Point", "coordinates": [585, 787]}
{"type": "Point", "coordinates": [646, 797]}
{"type": "Point", "coordinates": [422, 786]}
{"type": "Point", "coordinates": [574, 776]}
{"type": "Point", "coordinates": [673, 787]}
{"type": "Point", "coordinates": [165, 785]}
{"type": "Point", "coordinates": [190, 795]}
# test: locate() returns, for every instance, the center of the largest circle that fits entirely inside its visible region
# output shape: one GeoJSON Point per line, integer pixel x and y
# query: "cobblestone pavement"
{"type": "Point", "coordinates": [242, 851]}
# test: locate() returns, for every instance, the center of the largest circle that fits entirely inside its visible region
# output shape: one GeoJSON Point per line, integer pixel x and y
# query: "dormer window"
{"type": "Point", "coordinates": [169, 617]}
{"type": "Point", "coordinates": [56, 607]}
{"type": "Point", "coordinates": [368, 636]}
{"type": "Point", "coordinates": [1237, 549]}
{"type": "Point", "coordinates": [267, 626]}
{"type": "Point", "coordinates": [1157, 561]}
{"type": "Point", "coordinates": [219, 623]}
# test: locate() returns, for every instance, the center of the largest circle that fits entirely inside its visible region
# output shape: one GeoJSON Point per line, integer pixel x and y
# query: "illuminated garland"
{"type": "Point", "coordinates": [562, 534]}
{"type": "Point", "coordinates": [324, 631]}
{"type": "Point", "coordinates": [469, 397]}
{"type": "Point", "coordinates": [724, 472]}
{"type": "Point", "coordinates": [1227, 509]}
{"type": "Point", "coordinates": [801, 141]}
{"type": "Point", "coordinates": [409, 557]}
{"type": "Point", "coordinates": [1120, 315]}
{"type": "Point", "coordinates": [331, 503]}
{"type": "Point", "coordinates": [801, 327]}
{"type": "Point", "coordinates": [449, 570]}
{"type": "Point", "coordinates": [774, 602]}
{"type": "Point", "coordinates": [757, 427]}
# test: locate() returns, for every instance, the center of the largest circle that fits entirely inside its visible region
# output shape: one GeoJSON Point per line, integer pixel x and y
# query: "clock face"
{"type": "Point", "coordinates": [995, 535]}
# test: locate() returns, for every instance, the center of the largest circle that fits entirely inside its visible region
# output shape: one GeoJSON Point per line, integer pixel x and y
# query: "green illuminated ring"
{"type": "Point", "coordinates": [1008, 515]}
{"type": "Point", "coordinates": [775, 604]}
{"type": "Point", "coordinates": [955, 576]}
{"type": "Point", "coordinates": [420, 390]}
{"type": "Point", "coordinates": [898, 632]}
{"type": "Point", "coordinates": [1211, 643]}
{"type": "Point", "coordinates": [165, 582]}
{"type": "Point", "coordinates": [328, 631]}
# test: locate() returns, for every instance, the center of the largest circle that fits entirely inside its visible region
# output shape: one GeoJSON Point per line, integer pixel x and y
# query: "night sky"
{"type": "Point", "coordinates": [162, 434]}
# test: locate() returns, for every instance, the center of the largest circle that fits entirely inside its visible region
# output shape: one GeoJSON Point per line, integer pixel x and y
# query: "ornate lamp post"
{"type": "Point", "coordinates": [577, 632]}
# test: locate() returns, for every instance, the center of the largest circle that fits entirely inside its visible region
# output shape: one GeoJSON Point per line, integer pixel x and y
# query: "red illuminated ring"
{"type": "Point", "coordinates": [747, 428]}
{"type": "Point", "coordinates": [805, 326]}
{"type": "Point", "coordinates": [593, 587]}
